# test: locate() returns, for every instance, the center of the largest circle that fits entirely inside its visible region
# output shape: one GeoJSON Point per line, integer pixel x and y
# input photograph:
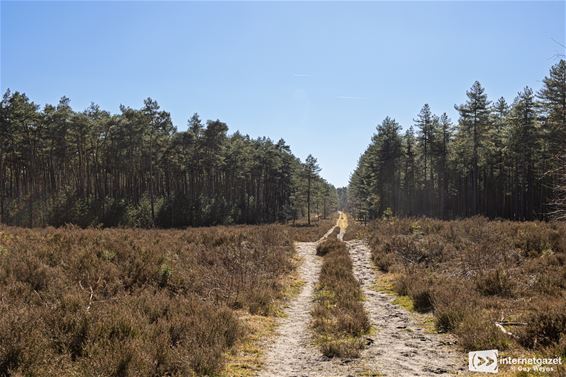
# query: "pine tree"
{"type": "Point", "coordinates": [424, 125]}
{"type": "Point", "coordinates": [134, 168]}
{"type": "Point", "coordinates": [409, 172]}
{"type": "Point", "coordinates": [524, 144]}
{"type": "Point", "coordinates": [497, 162]}
{"type": "Point", "coordinates": [552, 98]}
{"type": "Point", "coordinates": [496, 159]}
{"type": "Point", "coordinates": [311, 170]}
{"type": "Point", "coordinates": [553, 103]}
{"type": "Point", "coordinates": [474, 123]}
{"type": "Point", "coordinates": [442, 145]}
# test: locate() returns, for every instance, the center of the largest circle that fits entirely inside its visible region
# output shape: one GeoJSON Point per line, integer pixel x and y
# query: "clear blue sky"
{"type": "Point", "coordinates": [320, 75]}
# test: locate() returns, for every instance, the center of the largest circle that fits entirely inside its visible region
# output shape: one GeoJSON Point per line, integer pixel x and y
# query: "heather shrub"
{"type": "Point", "coordinates": [401, 285]}
{"type": "Point", "coordinates": [123, 302]}
{"type": "Point", "coordinates": [339, 318]}
{"type": "Point", "coordinates": [452, 301]}
{"type": "Point", "coordinates": [545, 327]}
{"type": "Point", "coordinates": [560, 349]}
{"type": "Point", "coordinates": [344, 347]}
{"type": "Point", "coordinates": [495, 283]}
{"type": "Point", "coordinates": [477, 331]}
{"type": "Point", "coordinates": [384, 262]}
{"type": "Point", "coordinates": [474, 272]}
{"type": "Point", "coordinates": [419, 286]}
{"type": "Point", "coordinates": [534, 238]}
{"type": "Point", "coordinates": [553, 283]}
{"type": "Point", "coordinates": [356, 230]}
{"type": "Point", "coordinates": [328, 245]}
{"type": "Point", "coordinates": [422, 300]}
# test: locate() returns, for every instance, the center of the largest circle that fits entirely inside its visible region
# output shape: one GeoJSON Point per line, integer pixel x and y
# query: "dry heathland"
{"type": "Point", "coordinates": [121, 302]}
{"type": "Point", "coordinates": [481, 278]}
{"type": "Point", "coordinates": [339, 318]}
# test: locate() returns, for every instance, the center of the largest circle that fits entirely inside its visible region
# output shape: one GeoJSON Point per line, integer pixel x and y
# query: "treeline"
{"type": "Point", "coordinates": [498, 160]}
{"type": "Point", "coordinates": [135, 168]}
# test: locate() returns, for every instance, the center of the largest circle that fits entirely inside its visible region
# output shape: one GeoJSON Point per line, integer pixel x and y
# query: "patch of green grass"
{"type": "Point", "coordinates": [405, 302]}
{"type": "Point", "coordinates": [429, 324]}
{"type": "Point", "coordinates": [385, 283]}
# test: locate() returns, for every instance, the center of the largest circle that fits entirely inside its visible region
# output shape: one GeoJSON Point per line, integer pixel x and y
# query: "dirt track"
{"type": "Point", "coordinates": [398, 347]}
{"type": "Point", "coordinates": [292, 352]}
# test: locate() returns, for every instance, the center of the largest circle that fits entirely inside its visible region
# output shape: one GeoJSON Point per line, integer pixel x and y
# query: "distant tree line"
{"type": "Point", "coordinates": [498, 160]}
{"type": "Point", "coordinates": [135, 168]}
{"type": "Point", "coordinates": [342, 193]}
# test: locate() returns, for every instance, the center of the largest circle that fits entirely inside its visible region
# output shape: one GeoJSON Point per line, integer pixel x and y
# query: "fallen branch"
{"type": "Point", "coordinates": [40, 297]}
{"type": "Point", "coordinates": [500, 326]}
{"type": "Point", "coordinates": [90, 299]}
{"type": "Point", "coordinates": [91, 295]}
{"type": "Point", "coordinates": [511, 323]}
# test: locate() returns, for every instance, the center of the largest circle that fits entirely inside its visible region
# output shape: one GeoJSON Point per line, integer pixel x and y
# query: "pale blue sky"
{"type": "Point", "coordinates": [320, 75]}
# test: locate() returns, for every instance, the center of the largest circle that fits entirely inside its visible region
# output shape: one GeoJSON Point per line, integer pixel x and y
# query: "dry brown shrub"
{"type": "Point", "coordinates": [496, 282]}
{"type": "Point", "coordinates": [384, 261]}
{"type": "Point", "coordinates": [133, 302]}
{"type": "Point", "coordinates": [327, 246]}
{"type": "Point", "coordinates": [355, 231]}
{"type": "Point", "coordinates": [339, 318]}
{"type": "Point", "coordinates": [474, 272]}
{"type": "Point", "coordinates": [477, 331]}
{"type": "Point", "coordinates": [545, 327]}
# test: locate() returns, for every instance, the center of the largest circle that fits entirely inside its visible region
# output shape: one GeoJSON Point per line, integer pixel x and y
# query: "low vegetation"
{"type": "Point", "coordinates": [119, 302]}
{"type": "Point", "coordinates": [477, 275]}
{"type": "Point", "coordinates": [310, 233]}
{"type": "Point", "coordinates": [356, 230]}
{"type": "Point", "coordinates": [339, 318]}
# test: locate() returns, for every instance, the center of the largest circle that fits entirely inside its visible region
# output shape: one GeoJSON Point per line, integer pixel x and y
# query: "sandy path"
{"type": "Point", "coordinates": [343, 224]}
{"type": "Point", "coordinates": [400, 346]}
{"type": "Point", "coordinates": [292, 353]}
